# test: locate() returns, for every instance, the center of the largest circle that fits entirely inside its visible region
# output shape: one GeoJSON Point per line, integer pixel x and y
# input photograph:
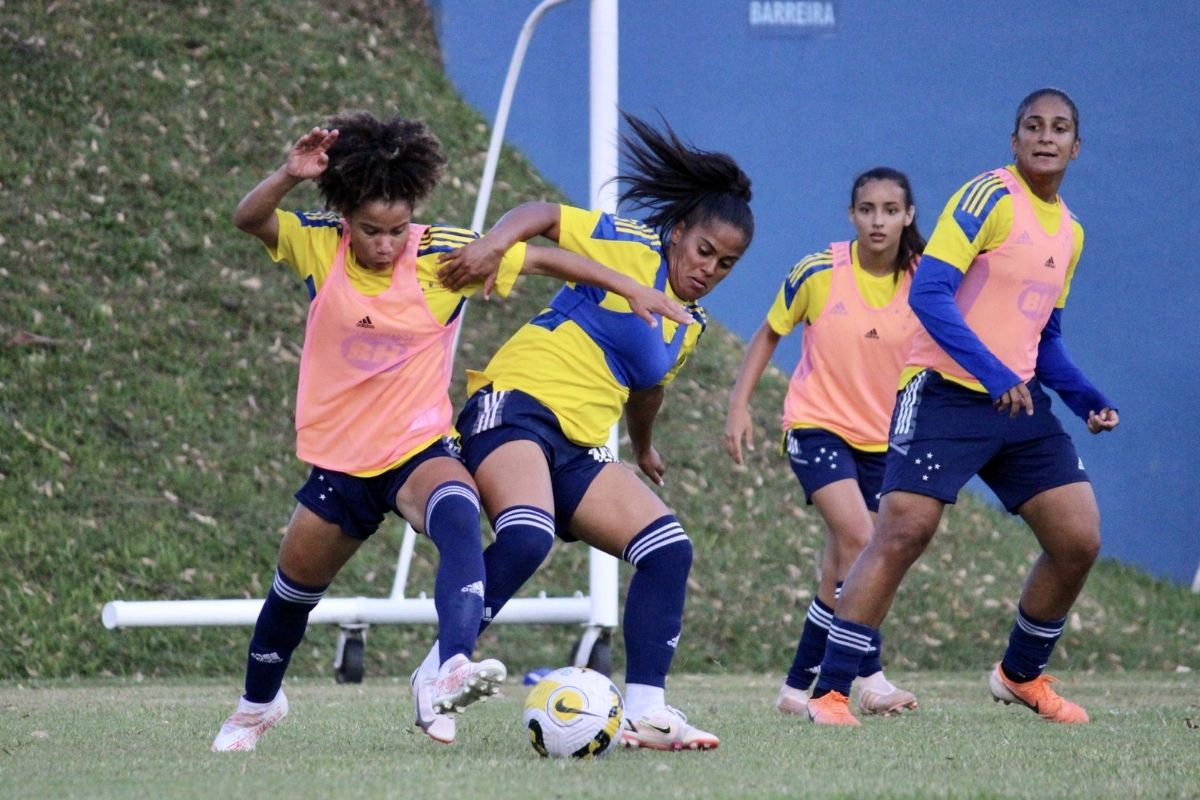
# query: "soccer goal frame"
{"type": "Point", "coordinates": [595, 611]}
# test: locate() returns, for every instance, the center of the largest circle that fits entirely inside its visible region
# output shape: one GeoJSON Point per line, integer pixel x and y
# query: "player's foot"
{"type": "Point", "coordinates": [831, 708]}
{"type": "Point", "coordinates": [876, 695]}
{"type": "Point", "coordinates": [439, 727]}
{"type": "Point", "coordinates": [246, 725]}
{"type": "Point", "coordinates": [1037, 695]}
{"type": "Point", "coordinates": [461, 682]}
{"type": "Point", "coordinates": [665, 728]}
{"type": "Point", "coordinates": [791, 700]}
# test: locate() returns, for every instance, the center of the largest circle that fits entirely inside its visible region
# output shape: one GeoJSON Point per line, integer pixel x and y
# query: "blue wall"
{"type": "Point", "coordinates": [930, 88]}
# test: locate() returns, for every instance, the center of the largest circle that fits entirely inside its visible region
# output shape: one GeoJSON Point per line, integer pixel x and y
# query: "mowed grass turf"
{"type": "Point", "coordinates": [100, 740]}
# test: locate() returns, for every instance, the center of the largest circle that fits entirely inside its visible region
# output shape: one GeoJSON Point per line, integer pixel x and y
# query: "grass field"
{"type": "Point", "coordinates": [120, 740]}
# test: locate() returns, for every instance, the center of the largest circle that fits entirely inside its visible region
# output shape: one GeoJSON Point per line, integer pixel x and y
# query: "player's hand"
{"type": "Point", "coordinates": [472, 263]}
{"type": "Point", "coordinates": [651, 464]}
{"type": "Point", "coordinates": [309, 156]}
{"type": "Point", "coordinates": [1014, 400]}
{"type": "Point", "coordinates": [739, 427]}
{"type": "Point", "coordinates": [646, 302]}
{"type": "Point", "coordinates": [1104, 420]}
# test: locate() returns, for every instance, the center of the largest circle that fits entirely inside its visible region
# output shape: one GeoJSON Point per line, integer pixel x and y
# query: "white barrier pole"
{"type": "Point", "coordinates": [340, 610]}
{"type": "Point", "coordinates": [603, 166]}
{"type": "Point", "coordinates": [506, 96]}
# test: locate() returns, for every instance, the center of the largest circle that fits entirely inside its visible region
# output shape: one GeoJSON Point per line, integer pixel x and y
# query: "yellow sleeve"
{"type": "Point", "coordinates": [307, 243]}
{"type": "Point", "coordinates": [802, 295]}
{"type": "Point", "coordinates": [623, 245]}
{"type": "Point", "coordinates": [438, 239]}
{"type": "Point", "coordinates": [1078, 251]}
{"type": "Point", "coordinates": [978, 217]}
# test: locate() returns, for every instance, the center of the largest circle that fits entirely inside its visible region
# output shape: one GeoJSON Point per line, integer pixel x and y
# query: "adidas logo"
{"type": "Point", "coordinates": [838, 309]}
{"type": "Point", "coordinates": [1049, 263]}
{"type": "Point", "coordinates": [872, 334]}
{"type": "Point", "coordinates": [1024, 238]}
{"type": "Point", "coordinates": [365, 322]}
{"type": "Point", "coordinates": [673, 641]}
{"type": "Point", "coordinates": [267, 658]}
{"type": "Point", "coordinates": [475, 588]}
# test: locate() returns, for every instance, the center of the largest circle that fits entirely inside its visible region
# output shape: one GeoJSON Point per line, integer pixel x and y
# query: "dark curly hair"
{"type": "Point", "coordinates": [397, 160]}
{"type": "Point", "coordinates": [680, 183]}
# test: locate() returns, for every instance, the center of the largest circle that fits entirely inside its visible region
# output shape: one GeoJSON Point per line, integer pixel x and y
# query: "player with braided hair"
{"type": "Point", "coordinates": [535, 428]}
{"type": "Point", "coordinates": [373, 415]}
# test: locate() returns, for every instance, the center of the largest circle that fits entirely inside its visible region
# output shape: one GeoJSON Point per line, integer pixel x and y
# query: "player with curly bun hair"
{"type": "Point", "coordinates": [373, 415]}
{"type": "Point", "coordinates": [536, 426]}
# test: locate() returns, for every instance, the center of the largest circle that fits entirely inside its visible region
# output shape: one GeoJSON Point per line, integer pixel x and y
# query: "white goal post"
{"type": "Point", "coordinates": [596, 611]}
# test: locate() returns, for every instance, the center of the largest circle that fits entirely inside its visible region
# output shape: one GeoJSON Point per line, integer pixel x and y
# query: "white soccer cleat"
{"type": "Point", "coordinates": [665, 728]}
{"type": "Point", "coordinates": [791, 701]}
{"type": "Point", "coordinates": [243, 729]}
{"type": "Point", "coordinates": [461, 682]}
{"type": "Point", "coordinates": [439, 727]}
{"type": "Point", "coordinates": [877, 695]}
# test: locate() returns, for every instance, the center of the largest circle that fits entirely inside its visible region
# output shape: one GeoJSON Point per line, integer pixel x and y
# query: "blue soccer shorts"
{"type": "Point", "coordinates": [943, 434]}
{"type": "Point", "coordinates": [358, 505]}
{"type": "Point", "coordinates": [491, 419]}
{"type": "Point", "coordinates": [819, 458]}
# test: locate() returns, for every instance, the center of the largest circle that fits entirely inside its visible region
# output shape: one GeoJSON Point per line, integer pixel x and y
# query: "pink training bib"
{"type": "Point", "coordinates": [1009, 293]}
{"type": "Point", "coordinates": [851, 360]}
{"type": "Point", "coordinates": [375, 372]}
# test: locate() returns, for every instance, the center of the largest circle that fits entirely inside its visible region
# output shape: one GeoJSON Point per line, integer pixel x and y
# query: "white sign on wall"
{"type": "Point", "coordinates": [791, 17]}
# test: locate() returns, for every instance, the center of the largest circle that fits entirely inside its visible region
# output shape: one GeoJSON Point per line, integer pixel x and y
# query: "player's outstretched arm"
{"type": "Point", "coordinates": [739, 426]}
{"type": "Point", "coordinates": [479, 261]}
{"type": "Point", "coordinates": [645, 301]}
{"type": "Point", "coordinates": [307, 159]}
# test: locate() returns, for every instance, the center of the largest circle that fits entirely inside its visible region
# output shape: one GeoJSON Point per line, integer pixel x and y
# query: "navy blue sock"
{"type": "Point", "coordinates": [872, 662]}
{"type": "Point", "coordinates": [452, 523]}
{"type": "Point", "coordinates": [811, 649]}
{"type": "Point", "coordinates": [662, 553]}
{"type": "Point", "coordinates": [524, 535]}
{"type": "Point", "coordinates": [277, 633]}
{"type": "Point", "coordinates": [1029, 646]}
{"type": "Point", "coordinates": [848, 644]}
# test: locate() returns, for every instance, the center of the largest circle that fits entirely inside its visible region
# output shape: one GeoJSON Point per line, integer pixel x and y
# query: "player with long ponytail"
{"type": "Point", "coordinates": [535, 428]}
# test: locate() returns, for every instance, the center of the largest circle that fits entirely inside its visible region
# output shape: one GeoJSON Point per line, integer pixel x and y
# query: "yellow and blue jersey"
{"type": "Point", "coordinates": [308, 242]}
{"type": "Point", "coordinates": [584, 353]}
{"type": "Point", "coordinates": [801, 298]}
{"type": "Point", "coordinates": [979, 217]}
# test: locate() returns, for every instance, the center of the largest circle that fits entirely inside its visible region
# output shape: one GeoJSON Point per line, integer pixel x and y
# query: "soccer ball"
{"type": "Point", "coordinates": [574, 712]}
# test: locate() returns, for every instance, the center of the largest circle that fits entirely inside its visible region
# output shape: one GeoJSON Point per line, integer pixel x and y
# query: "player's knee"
{"type": "Point", "coordinates": [902, 539]}
{"type": "Point", "coordinates": [662, 544]}
{"type": "Point", "coordinates": [849, 544]}
{"type": "Point", "coordinates": [525, 534]}
{"type": "Point", "coordinates": [452, 510]}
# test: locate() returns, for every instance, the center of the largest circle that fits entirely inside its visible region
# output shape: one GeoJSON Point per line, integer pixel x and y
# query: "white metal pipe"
{"type": "Point", "coordinates": [506, 95]}
{"type": "Point", "coordinates": [339, 610]}
{"type": "Point", "coordinates": [603, 575]}
{"type": "Point", "coordinates": [404, 561]}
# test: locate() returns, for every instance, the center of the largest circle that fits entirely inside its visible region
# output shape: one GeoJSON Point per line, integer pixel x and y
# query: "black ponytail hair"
{"type": "Point", "coordinates": [397, 160]}
{"type": "Point", "coordinates": [912, 243]}
{"type": "Point", "coordinates": [679, 183]}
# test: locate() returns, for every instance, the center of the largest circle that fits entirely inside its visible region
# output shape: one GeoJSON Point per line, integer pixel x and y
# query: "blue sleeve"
{"type": "Point", "coordinates": [932, 300]}
{"type": "Point", "coordinates": [1056, 370]}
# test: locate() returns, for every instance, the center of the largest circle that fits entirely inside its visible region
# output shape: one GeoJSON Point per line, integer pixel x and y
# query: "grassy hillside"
{"type": "Point", "coordinates": [148, 359]}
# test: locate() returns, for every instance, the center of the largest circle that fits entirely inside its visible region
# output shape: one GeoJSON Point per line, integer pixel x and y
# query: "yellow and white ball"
{"type": "Point", "coordinates": [574, 712]}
